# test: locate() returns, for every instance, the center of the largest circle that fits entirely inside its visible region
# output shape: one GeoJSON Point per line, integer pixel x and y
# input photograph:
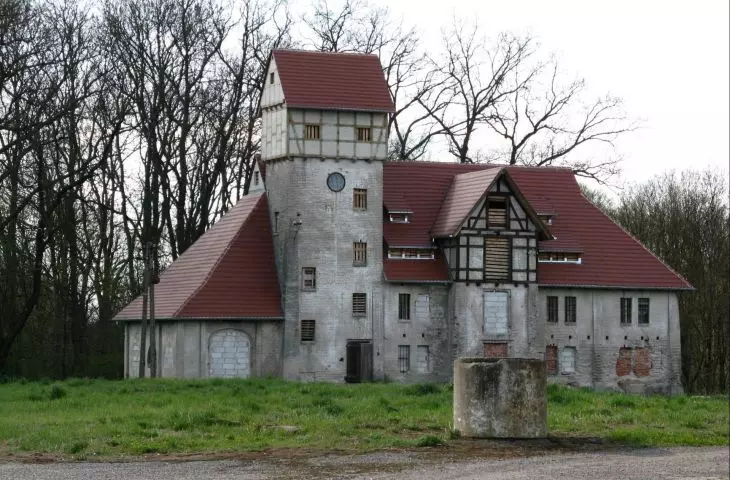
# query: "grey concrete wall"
{"type": "Point", "coordinates": [184, 347]}
{"type": "Point", "coordinates": [324, 240]}
{"type": "Point", "coordinates": [598, 335]}
{"type": "Point", "coordinates": [428, 328]}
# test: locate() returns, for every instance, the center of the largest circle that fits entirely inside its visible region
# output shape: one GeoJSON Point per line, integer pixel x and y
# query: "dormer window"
{"type": "Point", "coordinates": [399, 217]}
{"type": "Point", "coordinates": [560, 257]}
{"type": "Point", "coordinates": [311, 132]}
{"type": "Point", "coordinates": [547, 219]}
{"type": "Point", "coordinates": [410, 254]}
{"type": "Point", "coordinates": [497, 216]}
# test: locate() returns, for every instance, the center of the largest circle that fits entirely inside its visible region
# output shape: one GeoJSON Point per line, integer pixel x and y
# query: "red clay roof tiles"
{"type": "Point", "coordinates": [228, 272]}
{"type": "Point", "coordinates": [336, 81]}
{"type": "Point", "coordinates": [435, 270]}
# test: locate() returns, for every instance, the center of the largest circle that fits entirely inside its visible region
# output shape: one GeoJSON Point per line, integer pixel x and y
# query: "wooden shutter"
{"type": "Point", "coordinates": [497, 258]}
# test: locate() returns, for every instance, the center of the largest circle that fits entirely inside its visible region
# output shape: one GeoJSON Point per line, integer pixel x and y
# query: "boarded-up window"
{"type": "Point", "coordinates": [359, 304]}
{"type": "Point", "coordinates": [643, 311]}
{"type": "Point", "coordinates": [496, 313]}
{"type": "Point", "coordinates": [423, 308]}
{"type": "Point", "coordinates": [311, 132]}
{"type": "Point", "coordinates": [570, 310]}
{"type": "Point", "coordinates": [423, 359]}
{"type": "Point", "coordinates": [364, 134]}
{"type": "Point", "coordinates": [551, 359]}
{"type": "Point", "coordinates": [625, 311]}
{"type": "Point", "coordinates": [497, 258]}
{"type": "Point", "coordinates": [567, 360]}
{"type": "Point", "coordinates": [623, 362]}
{"type": "Point", "coordinates": [497, 212]}
{"type": "Point", "coordinates": [404, 358]}
{"type": "Point", "coordinates": [359, 254]}
{"type": "Point", "coordinates": [404, 306]}
{"type": "Point", "coordinates": [642, 362]}
{"type": "Point", "coordinates": [307, 330]}
{"type": "Point", "coordinates": [552, 309]}
{"type": "Point", "coordinates": [360, 198]}
{"type": "Point", "coordinates": [309, 278]}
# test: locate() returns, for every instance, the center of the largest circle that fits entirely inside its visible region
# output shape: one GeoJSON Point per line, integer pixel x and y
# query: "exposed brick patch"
{"type": "Point", "coordinates": [623, 363]}
{"type": "Point", "coordinates": [642, 362]}
{"type": "Point", "coordinates": [495, 350]}
{"type": "Point", "coordinates": [551, 359]}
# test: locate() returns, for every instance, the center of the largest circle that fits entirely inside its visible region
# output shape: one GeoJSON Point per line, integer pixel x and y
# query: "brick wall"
{"type": "Point", "coordinates": [623, 363]}
{"type": "Point", "coordinates": [495, 350]}
{"type": "Point", "coordinates": [551, 359]}
{"type": "Point", "coordinates": [642, 362]}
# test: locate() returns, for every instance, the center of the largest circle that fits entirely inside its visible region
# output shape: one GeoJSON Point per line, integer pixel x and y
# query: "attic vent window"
{"type": "Point", "coordinates": [399, 217]}
{"type": "Point", "coordinates": [497, 213]}
{"type": "Point", "coordinates": [255, 178]}
{"type": "Point", "coordinates": [560, 257]}
{"type": "Point", "coordinates": [359, 254]}
{"type": "Point", "coordinates": [360, 199]}
{"type": "Point", "coordinates": [411, 253]}
{"type": "Point", "coordinates": [271, 78]}
{"type": "Point", "coordinates": [497, 258]}
{"type": "Point", "coordinates": [364, 134]}
{"type": "Point", "coordinates": [359, 304]}
{"type": "Point", "coordinates": [311, 132]}
{"type": "Point", "coordinates": [307, 330]}
{"type": "Point", "coordinates": [309, 278]}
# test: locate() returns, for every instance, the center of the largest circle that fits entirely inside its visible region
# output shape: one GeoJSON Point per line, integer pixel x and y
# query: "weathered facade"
{"type": "Point", "coordinates": [341, 266]}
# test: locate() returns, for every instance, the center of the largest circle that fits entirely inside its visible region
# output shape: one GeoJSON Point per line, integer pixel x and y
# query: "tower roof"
{"type": "Point", "coordinates": [333, 81]}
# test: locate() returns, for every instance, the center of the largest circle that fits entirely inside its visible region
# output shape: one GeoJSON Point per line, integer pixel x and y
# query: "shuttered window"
{"type": "Point", "coordinates": [360, 198]}
{"type": "Point", "coordinates": [497, 258]}
{"type": "Point", "coordinates": [311, 132]}
{"type": "Point", "coordinates": [307, 330]}
{"type": "Point", "coordinates": [359, 304]}
{"type": "Point", "coordinates": [359, 254]}
{"type": "Point", "coordinates": [497, 212]}
{"type": "Point", "coordinates": [364, 134]}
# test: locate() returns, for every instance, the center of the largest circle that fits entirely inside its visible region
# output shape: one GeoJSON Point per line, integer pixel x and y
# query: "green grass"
{"type": "Point", "coordinates": [81, 418]}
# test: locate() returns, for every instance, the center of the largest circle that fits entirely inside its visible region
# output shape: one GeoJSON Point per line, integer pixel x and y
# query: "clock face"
{"type": "Point", "coordinates": [335, 181]}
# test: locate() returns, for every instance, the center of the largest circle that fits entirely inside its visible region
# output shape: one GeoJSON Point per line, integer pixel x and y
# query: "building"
{"type": "Point", "coordinates": [341, 266]}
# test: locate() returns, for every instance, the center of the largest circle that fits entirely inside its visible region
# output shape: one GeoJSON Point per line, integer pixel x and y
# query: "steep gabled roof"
{"type": "Point", "coordinates": [229, 272]}
{"type": "Point", "coordinates": [333, 81]}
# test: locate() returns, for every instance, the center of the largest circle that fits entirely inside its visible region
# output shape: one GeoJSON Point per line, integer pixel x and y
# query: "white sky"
{"type": "Point", "coordinates": [668, 60]}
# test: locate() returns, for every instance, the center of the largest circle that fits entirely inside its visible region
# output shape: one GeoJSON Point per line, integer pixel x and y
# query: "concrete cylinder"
{"type": "Point", "coordinates": [500, 398]}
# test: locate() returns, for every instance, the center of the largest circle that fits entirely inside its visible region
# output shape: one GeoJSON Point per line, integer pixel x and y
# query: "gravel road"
{"type": "Point", "coordinates": [666, 463]}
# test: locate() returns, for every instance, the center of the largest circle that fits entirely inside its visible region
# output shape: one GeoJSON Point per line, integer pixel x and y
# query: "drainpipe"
{"type": "Point", "coordinates": [593, 340]}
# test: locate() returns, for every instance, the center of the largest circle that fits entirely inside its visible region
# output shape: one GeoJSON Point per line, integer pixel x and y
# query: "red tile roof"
{"type": "Point", "coordinates": [229, 272]}
{"type": "Point", "coordinates": [336, 81]}
{"type": "Point", "coordinates": [435, 270]}
{"type": "Point", "coordinates": [611, 257]}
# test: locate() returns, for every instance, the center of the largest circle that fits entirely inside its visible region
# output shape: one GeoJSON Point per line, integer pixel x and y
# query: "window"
{"type": "Point", "coordinates": [359, 304]}
{"type": "Point", "coordinates": [404, 358]}
{"type": "Point", "coordinates": [497, 258]}
{"type": "Point", "coordinates": [404, 306]}
{"type": "Point", "coordinates": [559, 257]}
{"type": "Point", "coordinates": [360, 198]}
{"type": "Point", "coordinates": [307, 330]}
{"type": "Point", "coordinates": [309, 278]}
{"type": "Point", "coordinates": [364, 134]}
{"type": "Point", "coordinates": [399, 217]}
{"type": "Point", "coordinates": [567, 360]}
{"type": "Point", "coordinates": [359, 254]}
{"type": "Point", "coordinates": [423, 359]}
{"type": "Point", "coordinates": [411, 253]}
{"type": "Point", "coordinates": [570, 310]}
{"type": "Point", "coordinates": [551, 359]}
{"type": "Point", "coordinates": [497, 212]}
{"type": "Point", "coordinates": [311, 132]}
{"type": "Point", "coordinates": [255, 178]}
{"type": "Point", "coordinates": [625, 311]}
{"type": "Point", "coordinates": [271, 78]}
{"type": "Point", "coordinates": [643, 311]}
{"type": "Point", "coordinates": [552, 309]}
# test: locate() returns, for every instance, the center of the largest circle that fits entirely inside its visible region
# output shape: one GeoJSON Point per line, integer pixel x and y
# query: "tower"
{"type": "Point", "coordinates": [324, 137]}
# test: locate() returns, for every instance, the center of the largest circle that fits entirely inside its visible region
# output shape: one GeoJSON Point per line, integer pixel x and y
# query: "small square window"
{"type": "Point", "coordinates": [570, 313]}
{"type": "Point", "coordinates": [625, 311]}
{"type": "Point", "coordinates": [404, 358]}
{"type": "Point", "coordinates": [359, 254]}
{"type": "Point", "coordinates": [552, 309]}
{"type": "Point", "coordinates": [309, 278]}
{"type": "Point", "coordinates": [404, 306]}
{"type": "Point", "coordinates": [643, 311]}
{"type": "Point", "coordinates": [364, 134]}
{"type": "Point", "coordinates": [307, 330]}
{"type": "Point", "coordinates": [359, 304]}
{"type": "Point", "coordinates": [567, 360]}
{"type": "Point", "coordinates": [359, 198]}
{"type": "Point", "coordinates": [311, 132]}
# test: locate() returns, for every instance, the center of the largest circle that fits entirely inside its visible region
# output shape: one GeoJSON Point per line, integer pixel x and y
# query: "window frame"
{"type": "Point", "coordinates": [404, 307]}
{"type": "Point", "coordinates": [404, 358]}
{"type": "Point", "coordinates": [570, 306]}
{"type": "Point", "coordinates": [305, 275]}
{"type": "Point", "coordinates": [553, 309]}
{"type": "Point", "coordinates": [369, 134]}
{"type": "Point", "coordinates": [625, 313]}
{"type": "Point", "coordinates": [310, 129]}
{"type": "Point", "coordinates": [359, 304]}
{"type": "Point", "coordinates": [644, 302]}
{"type": "Point", "coordinates": [359, 198]}
{"type": "Point", "coordinates": [307, 328]}
{"type": "Point", "coordinates": [359, 254]}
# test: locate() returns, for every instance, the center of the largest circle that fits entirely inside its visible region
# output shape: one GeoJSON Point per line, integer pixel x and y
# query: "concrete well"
{"type": "Point", "coordinates": [500, 398]}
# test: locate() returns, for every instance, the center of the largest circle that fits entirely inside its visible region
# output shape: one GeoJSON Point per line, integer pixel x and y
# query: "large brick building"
{"type": "Point", "coordinates": [339, 265]}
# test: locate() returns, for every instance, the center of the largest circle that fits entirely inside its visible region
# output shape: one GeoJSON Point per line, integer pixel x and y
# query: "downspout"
{"type": "Point", "coordinates": [670, 359]}
{"type": "Point", "coordinates": [593, 340]}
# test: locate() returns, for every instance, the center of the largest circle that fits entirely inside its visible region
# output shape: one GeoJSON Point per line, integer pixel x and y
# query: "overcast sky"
{"type": "Point", "coordinates": [668, 60]}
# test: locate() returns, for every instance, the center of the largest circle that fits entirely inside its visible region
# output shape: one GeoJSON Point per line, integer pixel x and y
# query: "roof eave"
{"type": "Point", "coordinates": [615, 287]}
{"type": "Point", "coordinates": [193, 319]}
{"type": "Point", "coordinates": [389, 110]}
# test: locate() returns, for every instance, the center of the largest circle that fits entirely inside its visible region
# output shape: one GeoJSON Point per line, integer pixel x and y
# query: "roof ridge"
{"type": "Point", "coordinates": [641, 244]}
{"type": "Point", "coordinates": [320, 52]}
{"type": "Point", "coordinates": [220, 258]}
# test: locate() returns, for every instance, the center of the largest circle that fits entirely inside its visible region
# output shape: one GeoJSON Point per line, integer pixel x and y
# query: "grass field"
{"type": "Point", "coordinates": [83, 418]}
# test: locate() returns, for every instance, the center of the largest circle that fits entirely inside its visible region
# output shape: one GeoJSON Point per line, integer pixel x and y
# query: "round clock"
{"type": "Point", "coordinates": [335, 181]}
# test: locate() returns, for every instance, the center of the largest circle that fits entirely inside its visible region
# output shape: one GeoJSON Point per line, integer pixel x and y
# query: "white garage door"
{"type": "Point", "coordinates": [229, 354]}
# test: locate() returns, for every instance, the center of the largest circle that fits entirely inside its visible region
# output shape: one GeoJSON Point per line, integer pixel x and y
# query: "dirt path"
{"type": "Point", "coordinates": [455, 464]}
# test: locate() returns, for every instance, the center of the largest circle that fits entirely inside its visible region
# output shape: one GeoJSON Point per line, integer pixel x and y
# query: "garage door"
{"type": "Point", "coordinates": [229, 354]}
